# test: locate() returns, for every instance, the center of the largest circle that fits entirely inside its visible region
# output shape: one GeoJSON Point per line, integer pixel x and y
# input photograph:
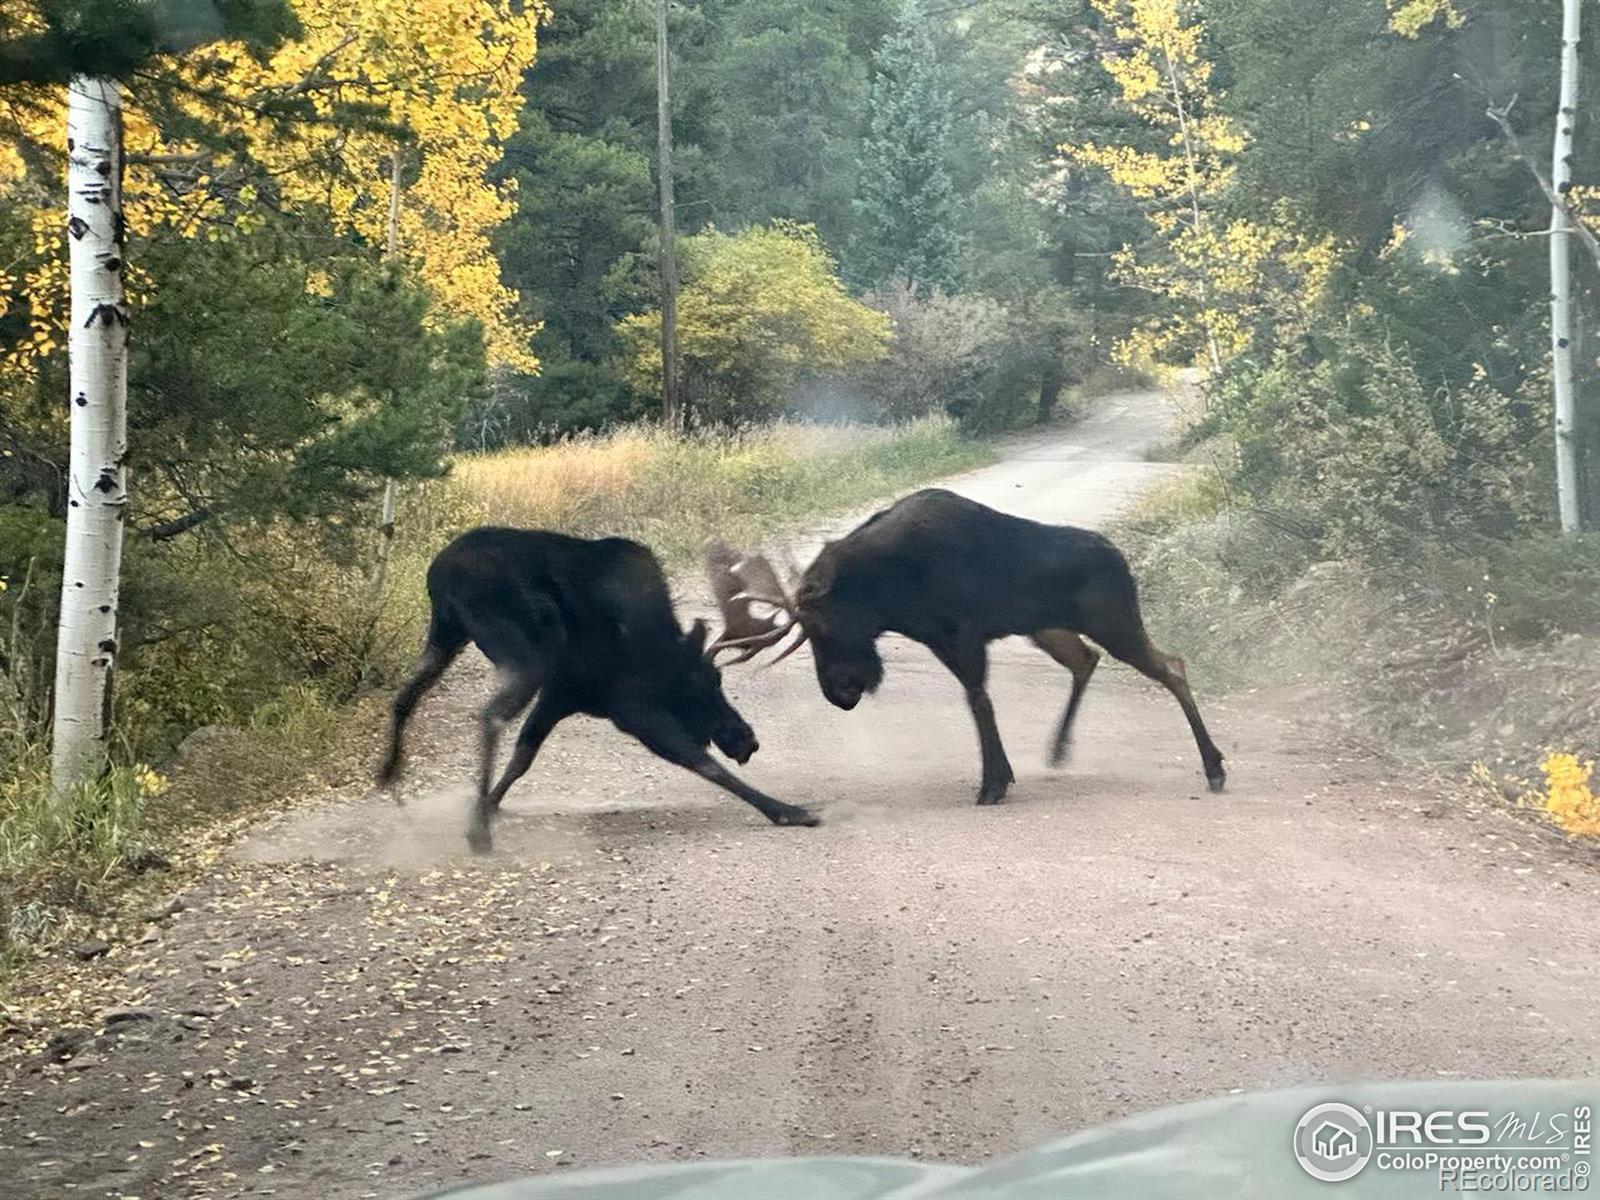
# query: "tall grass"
{"type": "Point", "coordinates": [674, 494]}
{"type": "Point", "coordinates": [56, 854]}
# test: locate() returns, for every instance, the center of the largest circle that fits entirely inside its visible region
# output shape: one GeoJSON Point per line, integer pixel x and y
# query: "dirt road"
{"type": "Point", "coordinates": [644, 970]}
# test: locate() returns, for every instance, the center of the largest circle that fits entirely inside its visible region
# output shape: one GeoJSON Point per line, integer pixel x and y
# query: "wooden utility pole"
{"type": "Point", "coordinates": [671, 409]}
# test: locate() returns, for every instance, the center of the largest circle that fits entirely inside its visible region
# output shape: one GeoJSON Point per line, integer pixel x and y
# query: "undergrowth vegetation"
{"type": "Point", "coordinates": [1398, 581]}
{"type": "Point", "coordinates": [259, 636]}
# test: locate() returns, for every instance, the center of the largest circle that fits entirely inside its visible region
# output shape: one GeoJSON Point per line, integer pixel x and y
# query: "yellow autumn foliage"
{"type": "Point", "coordinates": [1567, 797]}
{"type": "Point", "coordinates": [1162, 39]}
{"type": "Point", "coordinates": [436, 80]}
{"type": "Point", "coordinates": [1229, 277]}
{"type": "Point", "coordinates": [12, 168]}
{"type": "Point", "coordinates": [1144, 175]}
{"type": "Point", "coordinates": [757, 308]}
{"type": "Point", "coordinates": [445, 71]}
{"type": "Point", "coordinates": [1409, 18]}
{"type": "Point", "coordinates": [1163, 78]}
{"type": "Point", "coordinates": [149, 781]}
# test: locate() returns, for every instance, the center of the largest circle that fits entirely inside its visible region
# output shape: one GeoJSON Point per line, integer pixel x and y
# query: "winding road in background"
{"type": "Point", "coordinates": [353, 1006]}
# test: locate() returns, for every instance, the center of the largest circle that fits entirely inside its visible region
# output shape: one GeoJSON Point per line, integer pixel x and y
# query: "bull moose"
{"type": "Point", "coordinates": [954, 575]}
{"type": "Point", "coordinates": [587, 626]}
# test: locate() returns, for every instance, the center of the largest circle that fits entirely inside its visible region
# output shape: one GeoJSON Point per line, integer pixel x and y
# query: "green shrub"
{"type": "Point", "coordinates": [760, 312]}
{"type": "Point", "coordinates": [1383, 462]}
{"type": "Point", "coordinates": [1522, 589]}
{"type": "Point", "coordinates": [300, 712]}
{"type": "Point", "coordinates": [1208, 572]}
{"type": "Point", "coordinates": [966, 356]}
{"type": "Point", "coordinates": [61, 853]}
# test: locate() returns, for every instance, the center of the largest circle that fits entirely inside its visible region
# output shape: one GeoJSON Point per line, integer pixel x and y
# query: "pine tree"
{"type": "Point", "coordinates": [904, 201]}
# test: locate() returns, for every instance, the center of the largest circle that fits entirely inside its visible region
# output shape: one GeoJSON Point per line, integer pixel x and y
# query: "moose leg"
{"type": "Point", "coordinates": [546, 715]}
{"type": "Point", "coordinates": [444, 644]}
{"type": "Point", "coordinates": [522, 651]}
{"type": "Point", "coordinates": [1171, 673]}
{"type": "Point", "coordinates": [1168, 671]}
{"type": "Point", "coordinates": [775, 811]}
{"type": "Point", "coordinates": [968, 660]}
{"type": "Point", "coordinates": [663, 735]}
{"type": "Point", "coordinates": [518, 688]}
{"type": "Point", "coordinates": [1068, 649]}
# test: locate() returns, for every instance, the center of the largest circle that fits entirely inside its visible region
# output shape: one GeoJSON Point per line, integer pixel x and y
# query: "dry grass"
{"type": "Point", "coordinates": [673, 494]}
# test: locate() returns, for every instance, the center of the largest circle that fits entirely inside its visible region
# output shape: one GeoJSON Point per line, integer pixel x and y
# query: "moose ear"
{"type": "Point", "coordinates": [696, 640]}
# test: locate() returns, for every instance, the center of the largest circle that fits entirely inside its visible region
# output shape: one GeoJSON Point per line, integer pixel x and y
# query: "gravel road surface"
{"type": "Point", "coordinates": [353, 1006]}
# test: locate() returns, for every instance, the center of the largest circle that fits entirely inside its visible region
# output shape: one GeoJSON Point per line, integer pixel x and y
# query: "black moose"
{"type": "Point", "coordinates": [954, 575]}
{"type": "Point", "coordinates": [588, 627]}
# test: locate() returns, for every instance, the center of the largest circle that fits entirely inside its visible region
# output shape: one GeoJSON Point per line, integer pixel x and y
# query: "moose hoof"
{"type": "Point", "coordinates": [479, 838]}
{"type": "Point", "coordinates": [991, 794]}
{"type": "Point", "coordinates": [1218, 781]}
{"type": "Point", "coordinates": [791, 814]}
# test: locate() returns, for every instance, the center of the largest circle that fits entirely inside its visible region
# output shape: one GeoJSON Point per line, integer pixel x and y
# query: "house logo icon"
{"type": "Point", "coordinates": [1333, 1142]}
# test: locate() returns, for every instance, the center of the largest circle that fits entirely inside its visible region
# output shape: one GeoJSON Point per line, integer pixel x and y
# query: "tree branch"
{"type": "Point", "coordinates": [168, 530]}
{"type": "Point", "coordinates": [171, 160]}
{"type": "Point", "coordinates": [1501, 117]}
{"type": "Point", "coordinates": [314, 76]}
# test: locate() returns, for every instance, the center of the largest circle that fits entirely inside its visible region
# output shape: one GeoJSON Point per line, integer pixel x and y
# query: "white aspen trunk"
{"type": "Point", "coordinates": [86, 646]}
{"type": "Point", "coordinates": [1561, 230]}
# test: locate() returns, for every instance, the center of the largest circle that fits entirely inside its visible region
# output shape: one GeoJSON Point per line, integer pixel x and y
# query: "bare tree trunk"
{"type": "Point", "coordinates": [396, 181]}
{"type": "Point", "coordinates": [1055, 378]}
{"type": "Point", "coordinates": [671, 410]}
{"type": "Point", "coordinates": [380, 569]}
{"type": "Point", "coordinates": [1213, 352]}
{"type": "Point", "coordinates": [86, 646]}
{"type": "Point", "coordinates": [1561, 229]}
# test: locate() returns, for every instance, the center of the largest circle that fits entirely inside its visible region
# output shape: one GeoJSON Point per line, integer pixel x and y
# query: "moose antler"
{"type": "Point", "coordinates": [740, 582]}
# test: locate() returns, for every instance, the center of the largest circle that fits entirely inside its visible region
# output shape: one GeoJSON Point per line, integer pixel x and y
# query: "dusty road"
{"type": "Point", "coordinates": [355, 1007]}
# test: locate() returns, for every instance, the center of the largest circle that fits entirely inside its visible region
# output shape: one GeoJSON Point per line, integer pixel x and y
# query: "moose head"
{"type": "Point", "coordinates": [758, 612]}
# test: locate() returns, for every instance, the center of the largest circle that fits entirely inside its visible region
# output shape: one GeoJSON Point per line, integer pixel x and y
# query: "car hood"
{"type": "Point", "coordinates": [1237, 1146]}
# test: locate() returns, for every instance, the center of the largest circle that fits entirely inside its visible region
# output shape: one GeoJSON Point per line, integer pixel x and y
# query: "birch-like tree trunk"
{"type": "Point", "coordinates": [86, 645]}
{"type": "Point", "coordinates": [1561, 230]}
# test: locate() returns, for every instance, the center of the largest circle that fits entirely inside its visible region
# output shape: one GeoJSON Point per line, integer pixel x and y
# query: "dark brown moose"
{"type": "Point", "coordinates": [587, 627]}
{"type": "Point", "coordinates": [954, 575]}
